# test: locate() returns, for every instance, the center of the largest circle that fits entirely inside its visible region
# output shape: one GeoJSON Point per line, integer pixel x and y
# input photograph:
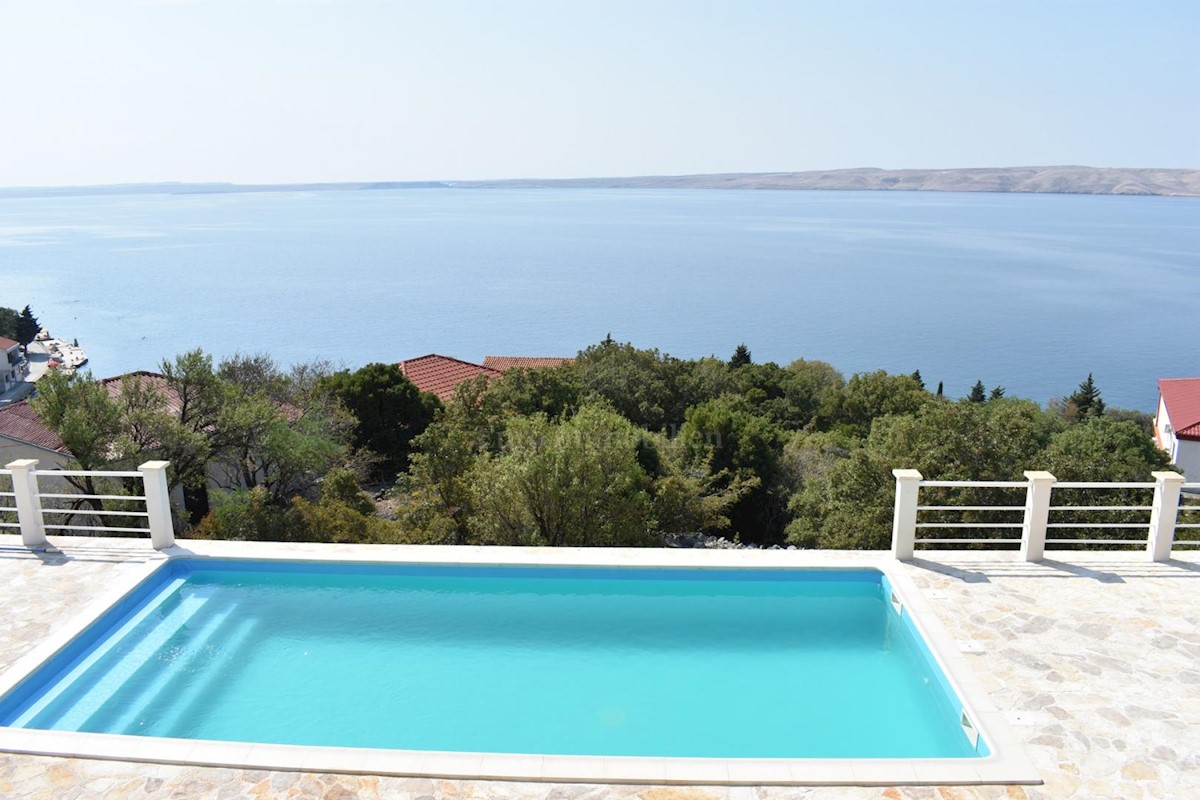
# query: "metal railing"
{"type": "Point", "coordinates": [65, 510]}
{"type": "Point", "coordinates": [1036, 517]}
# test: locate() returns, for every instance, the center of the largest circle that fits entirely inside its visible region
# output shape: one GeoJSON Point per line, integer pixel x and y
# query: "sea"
{"type": "Point", "coordinates": [1026, 291]}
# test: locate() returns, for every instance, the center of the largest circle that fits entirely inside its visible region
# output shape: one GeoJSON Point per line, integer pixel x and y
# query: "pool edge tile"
{"type": "Point", "coordinates": [452, 765]}
{"type": "Point", "coordinates": [760, 771]}
{"type": "Point", "coordinates": [511, 766]}
{"type": "Point", "coordinates": [633, 769]}
{"type": "Point", "coordinates": [696, 770]}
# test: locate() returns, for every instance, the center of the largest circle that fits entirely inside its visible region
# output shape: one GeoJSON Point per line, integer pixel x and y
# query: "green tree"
{"type": "Point", "coordinates": [80, 412]}
{"type": "Point", "coordinates": [997, 393]}
{"type": "Point", "coordinates": [650, 389]}
{"type": "Point", "coordinates": [1144, 421]}
{"type": "Point", "coordinates": [28, 328]}
{"type": "Point", "coordinates": [744, 450]}
{"type": "Point", "coordinates": [851, 504]}
{"type": "Point", "coordinates": [87, 420]}
{"type": "Point", "coordinates": [687, 497]}
{"type": "Point", "coordinates": [978, 393]}
{"type": "Point", "coordinates": [341, 513]}
{"type": "Point", "coordinates": [201, 398]}
{"type": "Point", "coordinates": [436, 495]}
{"type": "Point", "coordinates": [1084, 402]}
{"type": "Point", "coordinates": [554, 391]}
{"type": "Point", "coordinates": [790, 397]}
{"type": "Point", "coordinates": [274, 430]}
{"type": "Point", "coordinates": [9, 317]}
{"type": "Point", "coordinates": [576, 482]}
{"type": "Point", "coordinates": [868, 396]}
{"type": "Point", "coordinates": [1102, 449]}
{"type": "Point", "coordinates": [388, 410]}
{"type": "Point", "coordinates": [245, 515]}
{"type": "Point", "coordinates": [741, 357]}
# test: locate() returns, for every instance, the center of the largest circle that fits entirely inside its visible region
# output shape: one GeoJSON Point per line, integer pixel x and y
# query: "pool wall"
{"type": "Point", "coordinates": [1002, 759]}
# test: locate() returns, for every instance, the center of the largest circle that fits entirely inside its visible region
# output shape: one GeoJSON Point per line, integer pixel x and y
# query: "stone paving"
{"type": "Point", "coordinates": [1093, 657]}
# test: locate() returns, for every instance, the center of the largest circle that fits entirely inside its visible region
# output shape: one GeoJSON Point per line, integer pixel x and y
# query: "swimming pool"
{"type": "Point", "coordinates": [667, 665]}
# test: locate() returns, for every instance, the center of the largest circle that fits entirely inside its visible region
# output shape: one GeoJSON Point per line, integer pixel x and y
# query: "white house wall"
{"type": "Point", "coordinates": [1162, 427]}
{"type": "Point", "coordinates": [1187, 458]}
{"type": "Point", "coordinates": [13, 449]}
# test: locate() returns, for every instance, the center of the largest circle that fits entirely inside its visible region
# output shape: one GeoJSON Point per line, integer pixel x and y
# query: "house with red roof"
{"type": "Point", "coordinates": [438, 374]}
{"type": "Point", "coordinates": [1177, 423]}
{"type": "Point", "coordinates": [22, 435]}
{"type": "Point", "coordinates": [505, 363]}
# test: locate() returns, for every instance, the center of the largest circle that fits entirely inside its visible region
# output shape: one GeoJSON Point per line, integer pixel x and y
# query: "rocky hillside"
{"type": "Point", "coordinates": [1059, 180]}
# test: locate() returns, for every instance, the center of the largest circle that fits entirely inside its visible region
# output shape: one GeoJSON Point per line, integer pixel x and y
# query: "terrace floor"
{"type": "Point", "coordinates": [1093, 657]}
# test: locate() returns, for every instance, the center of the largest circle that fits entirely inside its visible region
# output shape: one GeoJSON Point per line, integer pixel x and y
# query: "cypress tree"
{"type": "Point", "coordinates": [741, 357]}
{"type": "Point", "coordinates": [27, 327]}
{"type": "Point", "coordinates": [978, 393]}
{"type": "Point", "coordinates": [940, 391]}
{"type": "Point", "coordinates": [917, 377]}
{"type": "Point", "coordinates": [1086, 400]}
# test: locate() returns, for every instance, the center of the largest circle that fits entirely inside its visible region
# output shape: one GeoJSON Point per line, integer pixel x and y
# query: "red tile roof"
{"type": "Point", "coordinates": [19, 422]}
{"type": "Point", "coordinates": [7, 344]}
{"type": "Point", "coordinates": [150, 380]}
{"type": "Point", "coordinates": [439, 375]}
{"type": "Point", "coordinates": [1182, 399]}
{"type": "Point", "coordinates": [504, 363]}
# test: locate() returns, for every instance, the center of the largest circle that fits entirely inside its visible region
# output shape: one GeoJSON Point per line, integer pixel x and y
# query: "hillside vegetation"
{"type": "Point", "coordinates": [623, 447]}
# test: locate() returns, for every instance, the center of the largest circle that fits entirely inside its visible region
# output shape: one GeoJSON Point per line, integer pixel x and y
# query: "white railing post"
{"type": "Point", "coordinates": [29, 503]}
{"type": "Point", "coordinates": [1037, 514]}
{"type": "Point", "coordinates": [158, 503]}
{"type": "Point", "coordinates": [1163, 514]}
{"type": "Point", "coordinates": [904, 520]}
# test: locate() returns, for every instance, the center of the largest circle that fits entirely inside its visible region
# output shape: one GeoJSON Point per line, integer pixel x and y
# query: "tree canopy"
{"type": "Point", "coordinates": [27, 327]}
{"type": "Point", "coordinates": [620, 447]}
{"type": "Point", "coordinates": [388, 410]}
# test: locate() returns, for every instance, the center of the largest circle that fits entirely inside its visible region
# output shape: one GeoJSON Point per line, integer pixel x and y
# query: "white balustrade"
{"type": "Point", "coordinates": [904, 521]}
{"type": "Point", "coordinates": [1034, 521]}
{"type": "Point", "coordinates": [32, 516]}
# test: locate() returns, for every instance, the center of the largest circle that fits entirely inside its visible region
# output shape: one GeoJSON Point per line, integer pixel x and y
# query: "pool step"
{"type": "Point", "coordinates": [162, 684]}
{"type": "Point", "coordinates": [68, 708]}
{"type": "Point", "coordinates": [166, 713]}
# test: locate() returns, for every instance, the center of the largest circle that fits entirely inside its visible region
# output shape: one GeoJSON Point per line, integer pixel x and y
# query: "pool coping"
{"type": "Point", "coordinates": [1008, 763]}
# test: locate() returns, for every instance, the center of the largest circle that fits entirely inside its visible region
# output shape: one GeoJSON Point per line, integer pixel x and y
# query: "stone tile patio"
{"type": "Point", "coordinates": [1094, 658]}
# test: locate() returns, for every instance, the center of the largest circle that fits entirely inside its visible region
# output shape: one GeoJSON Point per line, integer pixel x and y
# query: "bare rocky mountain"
{"type": "Point", "coordinates": [1059, 180]}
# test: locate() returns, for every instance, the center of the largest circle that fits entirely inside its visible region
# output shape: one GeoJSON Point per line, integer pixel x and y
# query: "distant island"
{"type": "Point", "coordinates": [1044, 180]}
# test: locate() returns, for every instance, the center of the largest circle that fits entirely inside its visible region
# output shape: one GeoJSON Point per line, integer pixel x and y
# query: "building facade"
{"type": "Point", "coordinates": [1177, 423]}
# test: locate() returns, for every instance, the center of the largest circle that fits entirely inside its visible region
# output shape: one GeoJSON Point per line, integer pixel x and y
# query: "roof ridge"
{"type": "Point", "coordinates": [1181, 398]}
{"type": "Point", "coordinates": [447, 358]}
{"type": "Point", "coordinates": [141, 372]}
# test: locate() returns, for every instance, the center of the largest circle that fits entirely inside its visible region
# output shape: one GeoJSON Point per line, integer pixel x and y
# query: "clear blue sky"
{"type": "Point", "coordinates": [272, 90]}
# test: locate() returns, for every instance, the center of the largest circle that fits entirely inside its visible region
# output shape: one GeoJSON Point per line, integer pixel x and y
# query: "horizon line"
{"type": "Point", "coordinates": [452, 182]}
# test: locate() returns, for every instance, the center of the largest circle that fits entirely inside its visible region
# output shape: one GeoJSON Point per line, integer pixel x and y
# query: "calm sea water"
{"type": "Point", "coordinates": [513, 660]}
{"type": "Point", "coordinates": [1028, 291]}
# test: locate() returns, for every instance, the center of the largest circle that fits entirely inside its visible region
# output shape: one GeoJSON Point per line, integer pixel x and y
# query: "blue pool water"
{"type": "Point", "coordinates": [706, 663]}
